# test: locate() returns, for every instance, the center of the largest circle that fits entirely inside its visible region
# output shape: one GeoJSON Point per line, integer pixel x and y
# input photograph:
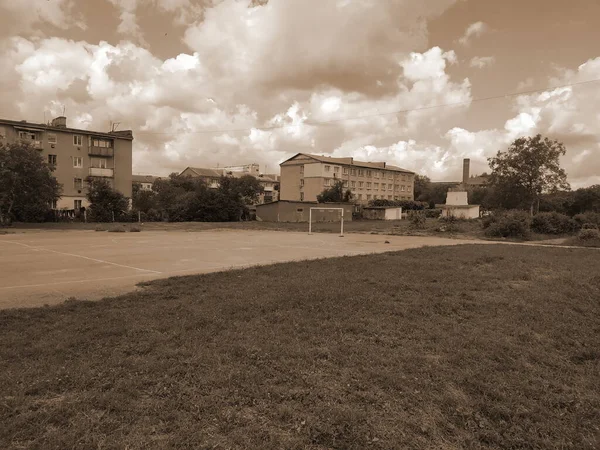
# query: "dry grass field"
{"type": "Point", "coordinates": [482, 347]}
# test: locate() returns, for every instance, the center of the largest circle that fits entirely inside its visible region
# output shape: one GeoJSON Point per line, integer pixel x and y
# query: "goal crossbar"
{"type": "Point", "coordinates": [324, 208]}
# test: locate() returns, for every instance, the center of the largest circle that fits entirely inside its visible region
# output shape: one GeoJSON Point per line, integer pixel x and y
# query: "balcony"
{"type": "Point", "coordinates": [98, 172]}
{"type": "Point", "coordinates": [38, 145]}
{"type": "Point", "coordinates": [108, 152]}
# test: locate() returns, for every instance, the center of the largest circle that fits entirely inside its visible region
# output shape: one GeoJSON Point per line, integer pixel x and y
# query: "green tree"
{"type": "Point", "coordinates": [141, 199]}
{"type": "Point", "coordinates": [247, 188]}
{"type": "Point", "coordinates": [106, 203]}
{"type": "Point", "coordinates": [530, 167]}
{"type": "Point", "coordinates": [335, 194]}
{"type": "Point", "coordinates": [27, 187]}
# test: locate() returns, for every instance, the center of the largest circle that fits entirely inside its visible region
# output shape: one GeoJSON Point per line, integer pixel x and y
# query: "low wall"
{"type": "Point", "coordinates": [288, 211]}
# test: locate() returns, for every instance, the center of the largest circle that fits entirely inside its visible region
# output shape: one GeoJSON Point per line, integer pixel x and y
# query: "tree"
{"type": "Point", "coordinates": [141, 199]}
{"type": "Point", "coordinates": [106, 204]}
{"type": "Point", "coordinates": [27, 187]}
{"type": "Point", "coordinates": [531, 167]}
{"type": "Point", "coordinates": [246, 188]}
{"type": "Point", "coordinates": [335, 194]}
{"type": "Point", "coordinates": [422, 187]}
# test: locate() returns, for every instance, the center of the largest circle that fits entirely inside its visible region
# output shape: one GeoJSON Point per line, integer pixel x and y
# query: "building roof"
{"type": "Point", "coordinates": [199, 171]}
{"type": "Point", "coordinates": [125, 134]}
{"type": "Point", "coordinates": [351, 162]}
{"type": "Point", "coordinates": [143, 178]}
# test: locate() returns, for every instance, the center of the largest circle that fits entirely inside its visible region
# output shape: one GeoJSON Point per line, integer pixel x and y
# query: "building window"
{"type": "Point", "coordinates": [353, 184]}
{"type": "Point", "coordinates": [77, 204]}
{"type": "Point", "coordinates": [375, 185]}
{"type": "Point", "coordinates": [353, 172]}
{"type": "Point", "coordinates": [302, 168]}
{"type": "Point", "coordinates": [26, 136]}
{"type": "Point", "coordinates": [361, 184]}
{"type": "Point", "coordinates": [403, 177]}
{"type": "Point", "coordinates": [408, 188]}
{"type": "Point", "coordinates": [383, 186]}
{"type": "Point", "coordinates": [336, 170]}
{"type": "Point", "coordinates": [301, 182]}
{"type": "Point", "coordinates": [299, 209]}
{"type": "Point", "coordinates": [361, 173]}
{"type": "Point", "coordinates": [391, 177]}
{"type": "Point", "coordinates": [368, 196]}
{"type": "Point", "coordinates": [345, 183]}
{"type": "Point", "coordinates": [345, 171]}
{"type": "Point", "coordinates": [396, 187]}
{"type": "Point", "coordinates": [360, 196]}
{"type": "Point", "coordinates": [78, 183]}
{"type": "Point", "coordinates": [376, 174]}
{"type": "Point", "coordinates": [52, 160]}
{"type": "Point", "coordinates": [369, 185]}
{"type": "Point", "coordinates": [390, 187]}
{"type": "Point", "coordinates": [77, 140]}
{"type": "Point", "coordinates": [2, 133]}
{"type": "Point", "coordinates": [51, 138]}
{"type": "Point", "coordinates": [402, 188]}
{"type": "Point", "coordinates": [327, 168]}
{"type": "Point", "coordinates": [369, 173]}
{"type": "Point", "coordinates": [53, 204]}
{"type": "Point", "coordinates": [396, 197]}
{"type": "Point", "coordinates": [77, 161]}
{"type": "Point", "coordinates": [389, 197]}
{"type": "Point", "coordinates": [327, 182]}
{"type": "Point", "coordinates": [102, 143]}
{"type": "Point", "coordinates": [301, 196]}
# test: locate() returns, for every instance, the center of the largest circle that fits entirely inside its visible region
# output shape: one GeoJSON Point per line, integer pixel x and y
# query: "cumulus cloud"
{"type": "Point", "coordinates": [23, 15]}
{"type": "Point", "coordinates": [474, 30]}
{"type": "Point", "coordinates": [480, 62]}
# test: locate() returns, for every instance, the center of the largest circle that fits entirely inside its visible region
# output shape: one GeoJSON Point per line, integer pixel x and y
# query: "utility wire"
{"type": "Point", "coordinates": [367, 116]}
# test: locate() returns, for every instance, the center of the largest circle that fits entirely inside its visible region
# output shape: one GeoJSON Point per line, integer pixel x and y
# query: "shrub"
{"type": "Point", "coordinates": [135, 229]}
{"type": "Point", "coordinates": [588, 235]}
{"type": "Point", "coordinates": [515, 224]}
{"type": "Point", "coordinates": [99, 228]}
{"type": "Point", "coordinates": [433, 213]}
{"type": "Point", "coordinates": [588, 217]}
{"type": "Point", "coordinates": [589, 226]}
{"type": "Point", "coordinates": [417, 219]}
{"type": "Point", "coordinates": [553, 223]}
{"type": "Point", "coordinates": [406, 205]}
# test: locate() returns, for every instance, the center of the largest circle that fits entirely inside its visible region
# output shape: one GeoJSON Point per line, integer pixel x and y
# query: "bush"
{"type": "Point", "coordinates": [514, 224]}
{"type": "Point", "coordinates": [589, 226]}
{"type": "Point", "coordinates": [406, 205]}
{"type": "Point", "coordinates": [433, 213]}
{"type": "Point", "coordinates": [588, 235]}
{"type": "Point", "coordinates": [100, 228]}
{"type": "Point", "coordinates": [588, 217]}
{"type": "Point", "coordinates": [417, 219]}
{"type": "Point", "coordinates": [553, 223]}
{"type": "Point", "coordinates": [135, 229]}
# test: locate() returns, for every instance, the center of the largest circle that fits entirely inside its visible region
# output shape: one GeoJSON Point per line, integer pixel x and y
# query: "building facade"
{"type": "Point", "coordinates": [305, 176]}
{"type": "Point", "coordinates": [211, 177]}
{"type": "Point", "coordinates": [76, 155]}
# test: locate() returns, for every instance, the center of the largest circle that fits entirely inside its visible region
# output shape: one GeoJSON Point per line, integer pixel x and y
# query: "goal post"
{"type": "Point", "coordinates": [328, 209]}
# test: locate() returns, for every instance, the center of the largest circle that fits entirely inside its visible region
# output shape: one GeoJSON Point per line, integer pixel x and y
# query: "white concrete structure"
{"type": "Point", "coordinates": [457, 205]}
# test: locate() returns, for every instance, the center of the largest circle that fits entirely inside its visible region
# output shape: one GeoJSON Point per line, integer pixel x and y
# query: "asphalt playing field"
{"type": "Point", "coordinates": [48, 267]}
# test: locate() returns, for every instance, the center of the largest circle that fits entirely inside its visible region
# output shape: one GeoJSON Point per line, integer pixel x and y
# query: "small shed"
{"type": "Point", "coordinates": [382, 213]}
{"type": "Point", "coordinates": [294, 211]}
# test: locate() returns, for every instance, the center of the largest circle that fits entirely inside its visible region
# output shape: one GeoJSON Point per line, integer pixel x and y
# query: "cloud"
{"type": "Point", "coordinates": [474, 30]}
{"type": "Point", "coordinates": [480, 62]}
{"type": "Point", "coordinates": [22, 16]}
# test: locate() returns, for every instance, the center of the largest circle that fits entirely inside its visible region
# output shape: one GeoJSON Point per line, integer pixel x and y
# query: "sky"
{"type": "Point", "coordinates": [209, 83]}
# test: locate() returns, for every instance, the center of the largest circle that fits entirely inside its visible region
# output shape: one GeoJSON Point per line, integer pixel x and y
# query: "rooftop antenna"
{"type": "Point", "coordinates": [114, 126]}
{"type": "Point", "coordinates": [64, 110]}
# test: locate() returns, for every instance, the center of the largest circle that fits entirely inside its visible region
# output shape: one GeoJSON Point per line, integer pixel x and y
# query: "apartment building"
{"type": "Point", "coordinates": [269, 182]}
{"type": "Point", "coordinates": [76, 155]}
{"type": "Point", "coordinates": [305, 176]}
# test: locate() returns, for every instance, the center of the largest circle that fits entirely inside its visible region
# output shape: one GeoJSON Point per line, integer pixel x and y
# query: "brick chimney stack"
{"type": "Point", "coordinates": [466, 170]}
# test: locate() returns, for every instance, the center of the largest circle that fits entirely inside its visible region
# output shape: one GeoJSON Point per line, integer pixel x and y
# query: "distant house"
{"type": "Point", "coordinates": [145, 181]}
{"type": "Point", "coordinates": [269, 182]}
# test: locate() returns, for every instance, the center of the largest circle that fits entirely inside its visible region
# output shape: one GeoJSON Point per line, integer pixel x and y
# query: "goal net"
{"type": "Point", "coordinates": [312, 215]}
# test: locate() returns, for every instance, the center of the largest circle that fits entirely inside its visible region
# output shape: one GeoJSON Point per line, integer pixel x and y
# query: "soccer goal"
{"type": "Point", "coordinates": [310, 215]}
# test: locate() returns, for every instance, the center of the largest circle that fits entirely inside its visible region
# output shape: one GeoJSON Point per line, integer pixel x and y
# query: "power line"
{"type": "Point", "coordinates": [367, 116]}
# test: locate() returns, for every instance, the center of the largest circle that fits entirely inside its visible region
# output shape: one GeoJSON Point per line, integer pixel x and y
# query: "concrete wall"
{"type": "Point", "coordinates": [382, 213]}
{"type": "Point", "coordinates": [286, 211]}
{"type": "Point", "coordinates": [457, 198]}
{"type": "Point", "coordinates": [463, 212]}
